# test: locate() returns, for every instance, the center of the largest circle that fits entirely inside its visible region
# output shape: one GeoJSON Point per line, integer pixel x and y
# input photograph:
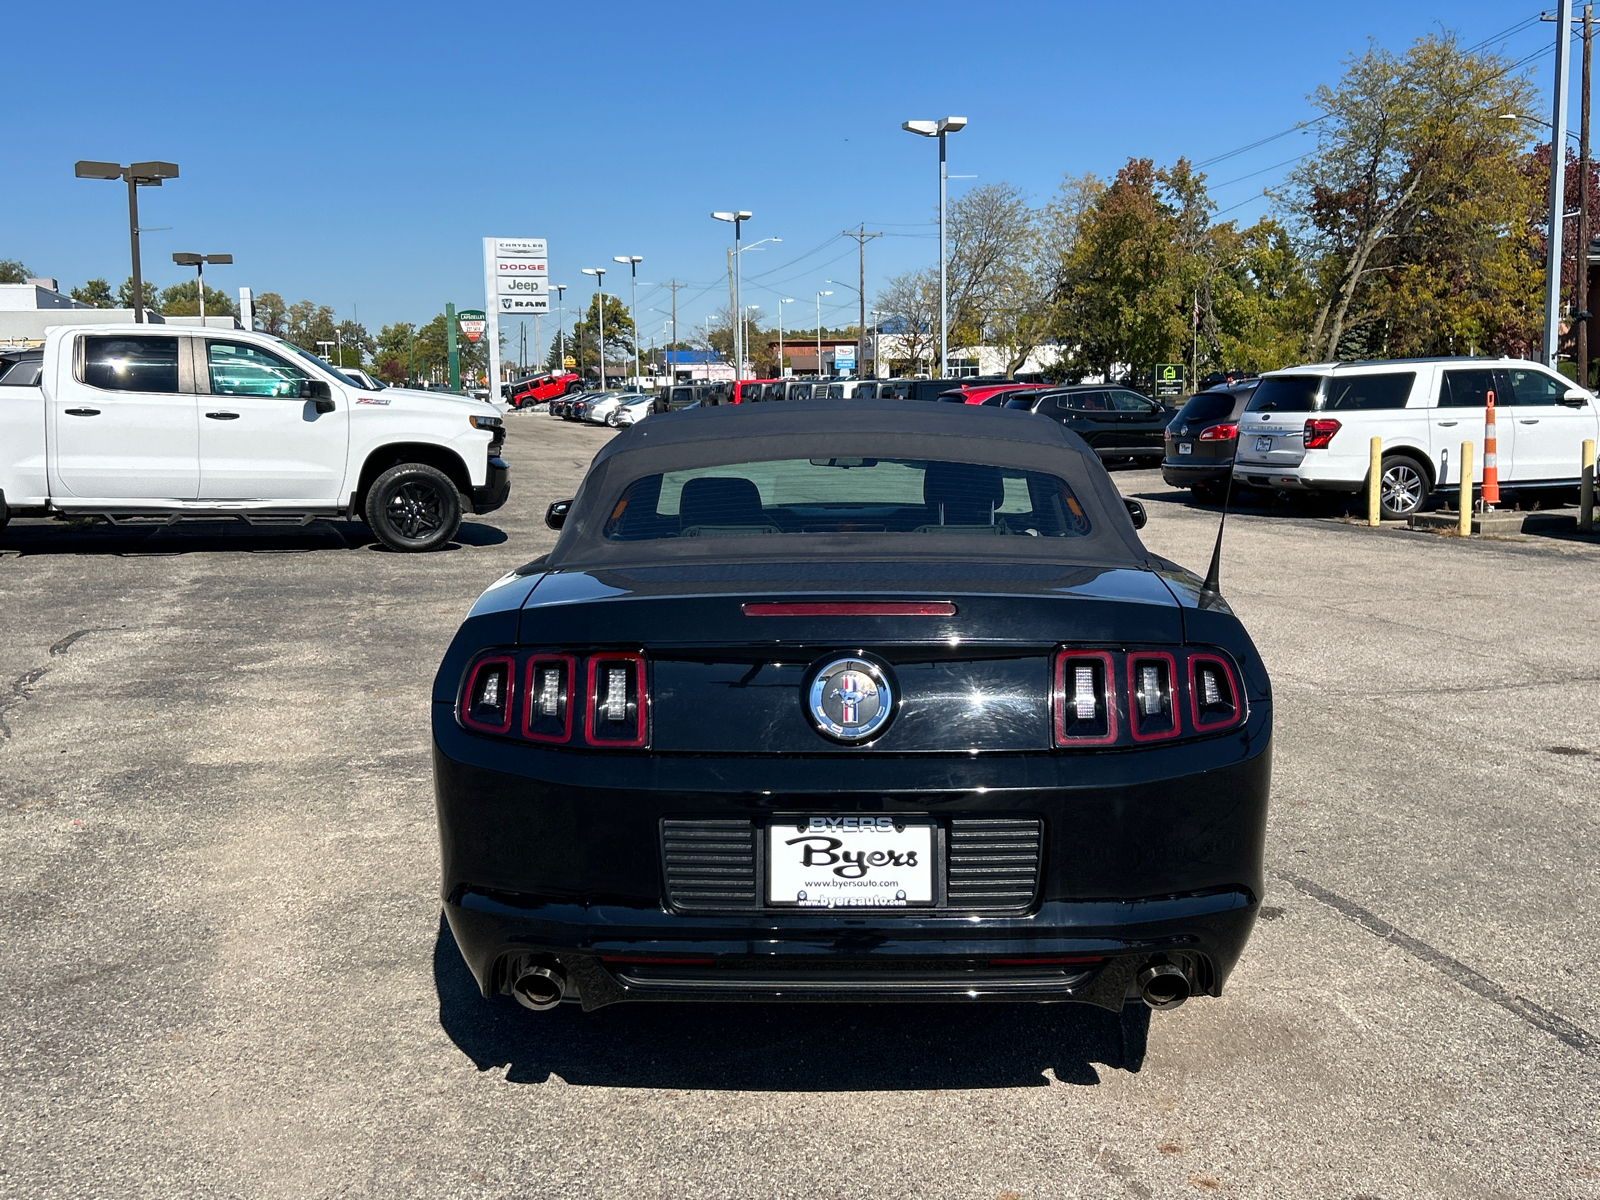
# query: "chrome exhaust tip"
{"type": "Point", "coordinates": [1163, 985]}
{"type": "Point", "coordinates": [540, 988]}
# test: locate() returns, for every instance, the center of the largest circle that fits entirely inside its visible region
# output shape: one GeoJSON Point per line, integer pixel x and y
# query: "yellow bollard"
{"type": "Point", "coordinates": [1586, 491]}
{"type": "Point", "coordinates": [1375, 487]}
{"type": "Point", "coordinates": [1465, 502]}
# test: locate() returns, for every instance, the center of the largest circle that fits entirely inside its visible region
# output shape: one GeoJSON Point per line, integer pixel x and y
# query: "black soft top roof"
{"type": "Point", "coordinates": [730, 434]}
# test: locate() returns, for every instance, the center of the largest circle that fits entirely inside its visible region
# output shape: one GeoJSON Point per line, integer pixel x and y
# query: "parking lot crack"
{"type": "Point", "coordinates": [21, 688]}
{"type": "Point", "coordinates": [1579, 1038]}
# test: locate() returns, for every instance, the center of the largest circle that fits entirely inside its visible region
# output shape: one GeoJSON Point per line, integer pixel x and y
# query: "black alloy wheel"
{"type": "Point", "coordinates": [413, 507]}
{"type": "Point", "coordinates": [1405, 487]}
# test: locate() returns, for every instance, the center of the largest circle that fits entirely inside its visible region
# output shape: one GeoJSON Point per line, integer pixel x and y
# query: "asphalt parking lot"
{"type": "Point", "coordinates": [225, 973]}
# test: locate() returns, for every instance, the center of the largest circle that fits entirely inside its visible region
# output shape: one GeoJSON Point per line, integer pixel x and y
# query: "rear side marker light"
{"type": "Point", "coordinates": [1084, 699]}
{"type": "Point", "coordinates": [547, 707]}
{"type": "Point", "coordinates": [1152, 696]}
{"type": "Point", "coordinates": [854, 608]}
{"type": "Point", "coordinates": [1319, 432]}
{"type": "Point", "coordinates": [1213, 693]}
{"type": "Point", "coordinates": [615, 701]}
{"type": "Point", "coordinates": [1219, 433]}
{"type": "Point", "coordinates": [486, 700]}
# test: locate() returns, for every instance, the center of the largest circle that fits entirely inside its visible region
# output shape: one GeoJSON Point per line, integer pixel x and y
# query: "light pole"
{"type": "Point", "coordinates": [749, 308]}
{"type": "Point", "coordinates": [738, 219]}
{"type": "Point", "coordinates": [1558, 188]}
{"type": "Point", "coordinates": [820, 295]}
{"type": "Point", "coordinates": [938, 129]}
{"type": "Point", "coordinates": [781, 303]}
{"type": "Point", "coordinates": [137, 175]}
{"type": "Point", "coordinates": [198, 262]}
{"type": "Point", "coordinates": [600, 307]}
{"type": "Point", "coordinates": [633, 261]}
{"type": "Point", "coordinates": [561, 328]}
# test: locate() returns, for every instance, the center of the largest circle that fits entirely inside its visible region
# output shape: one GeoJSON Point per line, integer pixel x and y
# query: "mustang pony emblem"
{"type": "Point", "coordinates": [850, 700]}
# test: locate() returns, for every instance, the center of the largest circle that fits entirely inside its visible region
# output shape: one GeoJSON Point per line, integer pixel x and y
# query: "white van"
{"type": "Point", "coordinates": [1310, 428]}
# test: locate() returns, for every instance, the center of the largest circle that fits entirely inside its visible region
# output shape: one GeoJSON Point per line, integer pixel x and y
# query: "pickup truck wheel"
{"type": "Point", "coordinates": [413, 507]}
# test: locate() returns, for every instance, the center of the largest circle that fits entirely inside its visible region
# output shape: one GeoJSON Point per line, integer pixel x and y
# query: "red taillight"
{"type": "Point", "coordinates": [1115, 698]}
{"type": "Point", "coordinates": [1213, 693]}
{"type": "Point", "coordinates": [548, 696]}
{"type": "Point", "coordinates": [1319, 432]}
{"type": "Point", "coordinates": [1219, 433]}
{"type": "Point", "coordinates": [1084, 698]}
{"type": "Point", "coordinates": [486, 700]}
{"type": "Point", "coordinates": [615, 701]}
{"type": "Point", "coordinates": [851, 608]}
{"type": "Point", "coordinates": [1152, 696]}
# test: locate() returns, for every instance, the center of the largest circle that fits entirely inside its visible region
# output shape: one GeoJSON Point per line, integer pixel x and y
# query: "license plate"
{"type": "Point", "coordinates": [1263, 443]}
{"type": "Point", "coordinates": [1185, 447]}
{"type": "Point", "coordinates": [850, 862]}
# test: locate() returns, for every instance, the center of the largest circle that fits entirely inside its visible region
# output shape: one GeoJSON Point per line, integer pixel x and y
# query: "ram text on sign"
{"type": "Point", "coordinates": [524, 304]}
{"type": "Point", "coordinates": [519, 248]}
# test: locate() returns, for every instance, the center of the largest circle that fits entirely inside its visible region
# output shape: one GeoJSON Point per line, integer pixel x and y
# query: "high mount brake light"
{"type": "Point", "coordinates": [853, 608]}
{"type": "Point", "coordinates": [1219, 433]}
{"type": "Point", "coordinates": [1108, 698]}
{"type": "Point", "coordinates": [1319, 432]}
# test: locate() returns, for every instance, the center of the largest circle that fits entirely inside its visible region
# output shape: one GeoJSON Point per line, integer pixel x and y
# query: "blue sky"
{"type": "Point", "coordinates": [354, 154]}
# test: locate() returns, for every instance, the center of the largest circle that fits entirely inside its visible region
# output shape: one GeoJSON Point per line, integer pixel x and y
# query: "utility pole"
{"type": "Point", "coordinates": [1582, 296]}
{"type": "Point", "coordinates": [1558, 186]}
{"type": "Point", "coordinates": [672, 375]}
{"type": "Point", "coordinates": [862, 238]}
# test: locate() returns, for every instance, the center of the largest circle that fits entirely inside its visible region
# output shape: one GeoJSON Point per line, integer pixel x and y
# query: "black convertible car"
{"type": "Point", "coordinates": [845, 701]}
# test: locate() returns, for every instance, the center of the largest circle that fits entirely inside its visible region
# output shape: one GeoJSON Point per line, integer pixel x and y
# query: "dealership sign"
{"type": "Point", "coordinates": [516, 272]}
{"type": "Point", "coordinates": [472, 322]}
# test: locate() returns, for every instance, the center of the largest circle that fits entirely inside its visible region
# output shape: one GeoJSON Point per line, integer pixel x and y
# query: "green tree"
{"type": "Point", "coordinates": [357, 343]}
{"type": "Point", "coordinates": [12, 271]}
{"type": "Point", "coordinates": [148, 290]}
{"type": "Point", "coordinates": [179, 300]}
{"type": "Point", "coordinates": [272, 314]}
{"type": "Point", "coordinates": [1412, 209]}
{"type": "Point", "coordinates": [619, 336]}
{"type": "Point", "coordinates": [96, 293]}
{"type": "Point", "coordinates": [391, 357]}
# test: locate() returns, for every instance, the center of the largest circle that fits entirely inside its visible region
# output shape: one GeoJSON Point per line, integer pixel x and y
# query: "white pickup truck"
{"type": "Point", "coordinates": [141, 423]}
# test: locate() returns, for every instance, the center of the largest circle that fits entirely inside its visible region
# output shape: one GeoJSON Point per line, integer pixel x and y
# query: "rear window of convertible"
{"type": "Point", "coordinates": [846, 495]}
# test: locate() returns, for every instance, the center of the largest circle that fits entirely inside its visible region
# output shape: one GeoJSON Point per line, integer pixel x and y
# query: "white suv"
{"type": "Point", "coordinates": [1309, 428]}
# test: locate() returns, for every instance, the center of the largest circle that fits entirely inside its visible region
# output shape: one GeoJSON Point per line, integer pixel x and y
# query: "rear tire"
{"type": "Point", "coordinates": [611, 420]}
{"type": "Point", "coordinates": [1405, 487]}
{"type": "Point", "coordinates": [413, 507]}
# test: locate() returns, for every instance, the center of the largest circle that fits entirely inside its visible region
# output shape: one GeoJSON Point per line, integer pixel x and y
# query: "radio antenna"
{"type": "Point", "coordinates": [1210, 592]}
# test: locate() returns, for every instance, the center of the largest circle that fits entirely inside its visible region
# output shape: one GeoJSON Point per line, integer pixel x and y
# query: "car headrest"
{"type": "Point", "coordinates": [720, 500]}
{"type": "Point", "coordinates": [963, 486]}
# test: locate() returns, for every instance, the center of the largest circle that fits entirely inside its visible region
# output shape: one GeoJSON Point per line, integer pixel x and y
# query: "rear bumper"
{"type": "Point", "coordinates": [1186, 473]}
{"type": "Point", "coordinates": [495, 490]}
{"type": "Point", "coordinates": [611, 954]}
{"type": "Point", "coordinates": [558, 856]}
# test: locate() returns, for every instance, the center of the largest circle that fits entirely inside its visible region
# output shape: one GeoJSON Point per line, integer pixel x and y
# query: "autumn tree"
{"type": "Point", "coordinates": [909, 338]}
{"type": "Point", "coordinates": [272, 314]}
{"type": "Point", "coordinates": [1412, 209]}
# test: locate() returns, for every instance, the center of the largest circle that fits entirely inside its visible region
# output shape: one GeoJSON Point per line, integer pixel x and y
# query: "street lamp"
{"type": "Point", "coordinates": [198, 262]}
{"type": "Point", "coordinates": [820, 295]}
{"type": "Point", "coordinates": [781, 303]}
{"type": "Point", "coordinates": [561, 329]}
{"type": "Point", "coordinates": [633, 261]}
{"type": "Point", "coordinates": [938, 129]}
{"type": "Point", "coordinates": [600, 307]}
{"type": "Point", "coordinates": [137, 175]}
{"type": "Point", "coordinates": [738, 219]}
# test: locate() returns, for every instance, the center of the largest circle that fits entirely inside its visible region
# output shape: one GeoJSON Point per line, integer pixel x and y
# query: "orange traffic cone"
{"type": "Point", "coordinates": [1491, 467]}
